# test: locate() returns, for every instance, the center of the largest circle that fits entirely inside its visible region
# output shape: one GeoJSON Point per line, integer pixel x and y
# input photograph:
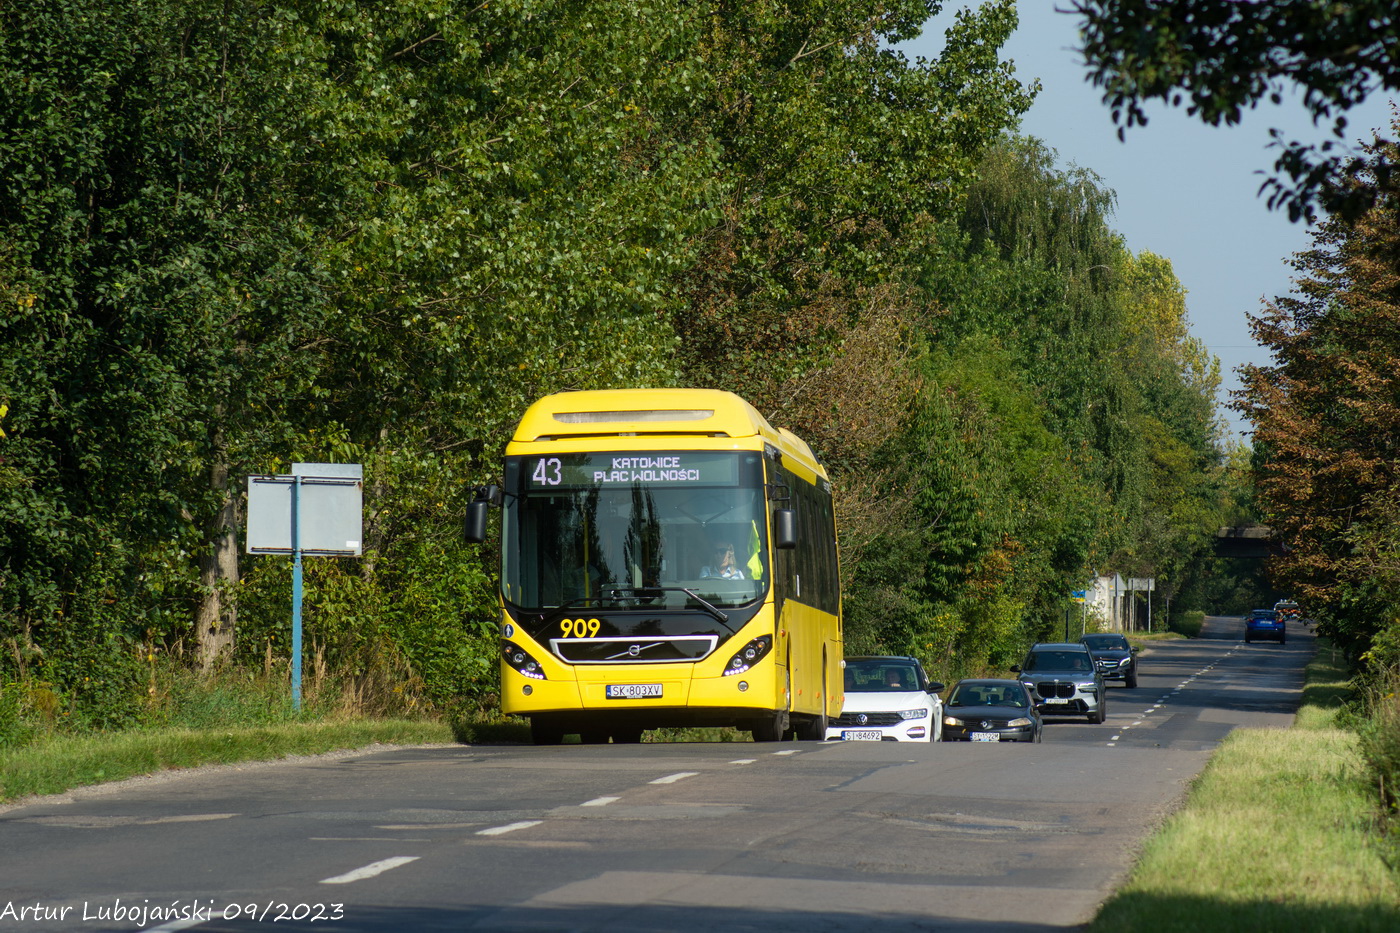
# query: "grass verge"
{"type": "Point", "coordinates": [1278, 833]}
{"type": "Point", "coordinates": [56, 764]}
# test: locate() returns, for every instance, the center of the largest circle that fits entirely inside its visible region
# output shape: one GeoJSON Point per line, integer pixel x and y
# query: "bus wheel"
{"type": "Point", "coordinates": [812, 728]}
{"type": "Point", "coordinates": [771, 729]}
{"type": "Point", "coordinates": [544, 731]}
{"type": "Point", "coordinates": [628, 736]}
{"type": "Point", "coordinates": [593, 737]}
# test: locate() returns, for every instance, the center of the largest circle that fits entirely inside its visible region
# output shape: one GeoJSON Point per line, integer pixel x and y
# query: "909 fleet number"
{"type": "Point", "coordinates": [579, 628]}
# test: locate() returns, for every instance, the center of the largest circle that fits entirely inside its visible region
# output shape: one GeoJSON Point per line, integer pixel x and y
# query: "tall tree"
{"type": "Point", "coordinates": [1327, 416]}
{"type": "Point", "coordinates": [170, 295]}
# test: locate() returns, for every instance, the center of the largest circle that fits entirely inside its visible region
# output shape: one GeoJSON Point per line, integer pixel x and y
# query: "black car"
{"type": "Point", "coordinates": [1115, 657]}
{"type": "Point", "coordinates": [1064, 681]}
{"type": "Point", "coordinates": [990, 710]}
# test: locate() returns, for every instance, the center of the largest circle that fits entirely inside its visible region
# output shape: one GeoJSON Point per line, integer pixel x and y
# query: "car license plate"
{"type": "Point", "coordinates": [633, 691]}
{"type": "Point", "coordinates": [1055, 702]}
{"type": "Point", "coordinates": [862, 735]}
{"type": "Point", "coordinates": [986, 737]}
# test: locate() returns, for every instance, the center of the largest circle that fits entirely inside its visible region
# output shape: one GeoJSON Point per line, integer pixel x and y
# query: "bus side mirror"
{"type": "Point", "coordinates": [784, 529]}
{"type": "Point", "coordinates": [478, 511]}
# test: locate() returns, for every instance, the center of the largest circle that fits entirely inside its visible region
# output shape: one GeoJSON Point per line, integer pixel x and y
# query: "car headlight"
{"type": "Point", "coordinates": [953, 721]}
{"type": "Point", "coordinates": [1089, 688]}
{"type": "Point", "coordinates": [1023, 721]}
{"type": "Point", "coordinates": [913, 713]}
{"type": "Point", "coordinates": [1125, 662]}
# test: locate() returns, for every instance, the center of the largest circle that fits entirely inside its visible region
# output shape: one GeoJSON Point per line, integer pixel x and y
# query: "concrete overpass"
{"type": "Point", "coordinates": [1250, 541]}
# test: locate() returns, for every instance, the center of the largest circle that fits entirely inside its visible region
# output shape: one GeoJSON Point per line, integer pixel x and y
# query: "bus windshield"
{"type": "Point", "coordinates": [615, 530]}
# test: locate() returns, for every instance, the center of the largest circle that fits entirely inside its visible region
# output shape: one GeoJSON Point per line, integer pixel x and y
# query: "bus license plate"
{"type": "Point", "coordinates": [633, 691]}
{"type": "Point", "coordinates": [867, 735]}
{"type": "Point", "coordinates": [986, 737]}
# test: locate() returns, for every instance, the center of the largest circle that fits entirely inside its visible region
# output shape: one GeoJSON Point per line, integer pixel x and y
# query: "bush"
{"type": "Point", "coordinates": [14, 729]}
{"type": "Point", "coordinates": [1379, 730]}
{"type": "Point", "coordinates": [1187, 623]}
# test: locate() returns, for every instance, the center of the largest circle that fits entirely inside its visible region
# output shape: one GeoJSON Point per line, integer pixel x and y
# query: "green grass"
{"type": "Point", "coordinates": [1278, 833]}
{"type": "Point", "coordinates": [58, 763]}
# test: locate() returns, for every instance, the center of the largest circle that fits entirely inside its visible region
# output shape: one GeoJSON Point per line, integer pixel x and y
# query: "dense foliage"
{"type": "Point", "coordinates": [237, 236]}
{"type": "Point", "coordinates": [1221, 57]}
{"type": "Point", "coordinates": [1327, 422]}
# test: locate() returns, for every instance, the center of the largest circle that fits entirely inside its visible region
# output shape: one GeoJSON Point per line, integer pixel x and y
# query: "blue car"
{"type": "Point", "coordinates": [1264, 623]}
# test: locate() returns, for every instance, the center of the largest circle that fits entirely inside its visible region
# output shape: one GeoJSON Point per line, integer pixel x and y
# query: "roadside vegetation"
{"type": "Point", "coordinates": [1278, 833]}
{"type": "Point", "coordinates": [233, 238]}
{"type": "Point", "coordinates": [62, 763]}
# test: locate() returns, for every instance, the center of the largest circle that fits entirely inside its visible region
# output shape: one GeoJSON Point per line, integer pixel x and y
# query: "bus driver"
{"type": "Point", "coordinates": [723, 563]}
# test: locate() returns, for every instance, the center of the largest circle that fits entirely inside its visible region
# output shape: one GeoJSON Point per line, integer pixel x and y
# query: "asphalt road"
{"type": "Point", "coordinates": [621, 839]}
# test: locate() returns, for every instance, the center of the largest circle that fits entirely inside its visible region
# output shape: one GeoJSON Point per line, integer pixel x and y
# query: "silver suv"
{"type": "Point", "coordinates": [1064, 681]}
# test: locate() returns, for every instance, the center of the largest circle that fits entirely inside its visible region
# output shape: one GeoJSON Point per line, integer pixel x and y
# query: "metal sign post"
{"type": "Point", "coordinates": [296, 593]}
{"type": "Point", "coordinates": [317, 510]}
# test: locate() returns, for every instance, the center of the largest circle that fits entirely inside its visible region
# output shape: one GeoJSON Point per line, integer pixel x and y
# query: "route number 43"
{"type": "Point", "coordinates": [549, 472]}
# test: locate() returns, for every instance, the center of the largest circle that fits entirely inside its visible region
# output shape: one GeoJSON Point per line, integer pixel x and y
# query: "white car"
{"type": "Point", "coordinates": [888, 699]}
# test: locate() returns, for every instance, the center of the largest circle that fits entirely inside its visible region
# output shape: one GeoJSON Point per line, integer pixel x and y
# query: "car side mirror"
{"type": "Point", "coordinates": [934, 687]}
{"type": "Point", "coordinates": [1135, 649]}
{"type": "Point", "coordinates": [1015, 668]}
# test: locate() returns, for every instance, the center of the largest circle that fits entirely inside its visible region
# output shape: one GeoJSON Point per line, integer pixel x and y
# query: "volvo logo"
{"type": "Point", "coordinates": [633, 651]}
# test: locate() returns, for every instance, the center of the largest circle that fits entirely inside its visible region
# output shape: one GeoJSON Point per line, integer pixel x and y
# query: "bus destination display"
{"type": "Point", "coordinates": [680, 468]}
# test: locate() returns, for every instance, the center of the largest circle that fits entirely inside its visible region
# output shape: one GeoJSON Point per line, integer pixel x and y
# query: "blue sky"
{"type": "Point", "coordinates": [1185, 190]}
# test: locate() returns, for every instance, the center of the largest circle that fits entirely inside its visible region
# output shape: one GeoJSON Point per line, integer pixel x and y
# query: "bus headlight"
{"type": "Point", "coordinates": [518, 658]}
{"type": "Point", "coordinates": [749, 655]}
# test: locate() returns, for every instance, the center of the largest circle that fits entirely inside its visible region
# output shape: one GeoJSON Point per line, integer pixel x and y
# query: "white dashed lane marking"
{"type": "Point", "coordinates": [508, 828]}
{"type": "Point", "coordinates": [370, 870]}
{"type": "Point", "coordinates": [1165, 699]}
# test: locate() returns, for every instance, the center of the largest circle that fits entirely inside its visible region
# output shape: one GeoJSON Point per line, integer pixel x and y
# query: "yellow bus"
{"type": "Point", "coordinates": [668, 558]}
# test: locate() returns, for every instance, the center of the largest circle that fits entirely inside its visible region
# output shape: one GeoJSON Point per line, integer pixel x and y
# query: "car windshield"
{"type": "Point", "coordinates": [1058, 661]}
{"type": "Point", "coordinates": [975, 694]}
{"type": "Point", "coordinates": [881, 676]}
{"type": "Point", "coordinates": [1106, 642]}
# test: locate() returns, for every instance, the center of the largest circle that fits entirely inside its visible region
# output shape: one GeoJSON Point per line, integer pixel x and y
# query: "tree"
{"type": "Point", "coordinates": [1221, 57]}
{"type": "Point", "coordinates": [167, 294]}
{"type": "Point", "coordinates": [1327, 422]}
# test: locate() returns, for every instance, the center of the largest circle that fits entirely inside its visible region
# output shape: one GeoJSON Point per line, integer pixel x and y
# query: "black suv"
{"type": "Point", "coordinates": [1116, 658]}
{"type": "Point", "coordinates": [1064, 681]}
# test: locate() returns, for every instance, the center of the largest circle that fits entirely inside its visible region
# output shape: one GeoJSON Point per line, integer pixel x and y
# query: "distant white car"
{"type": "Point", "coordinates": [888, 699]}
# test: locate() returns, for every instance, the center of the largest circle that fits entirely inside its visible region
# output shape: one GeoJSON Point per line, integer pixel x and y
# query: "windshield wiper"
{"type": "Point", "coordinates": [557, 611]}
{"type": "Point", "coordinates": [640, 593]}
{"type": "Point", "coordinates": [651, 592]}
{"type": "Point", "coordinates": [722, 616]}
